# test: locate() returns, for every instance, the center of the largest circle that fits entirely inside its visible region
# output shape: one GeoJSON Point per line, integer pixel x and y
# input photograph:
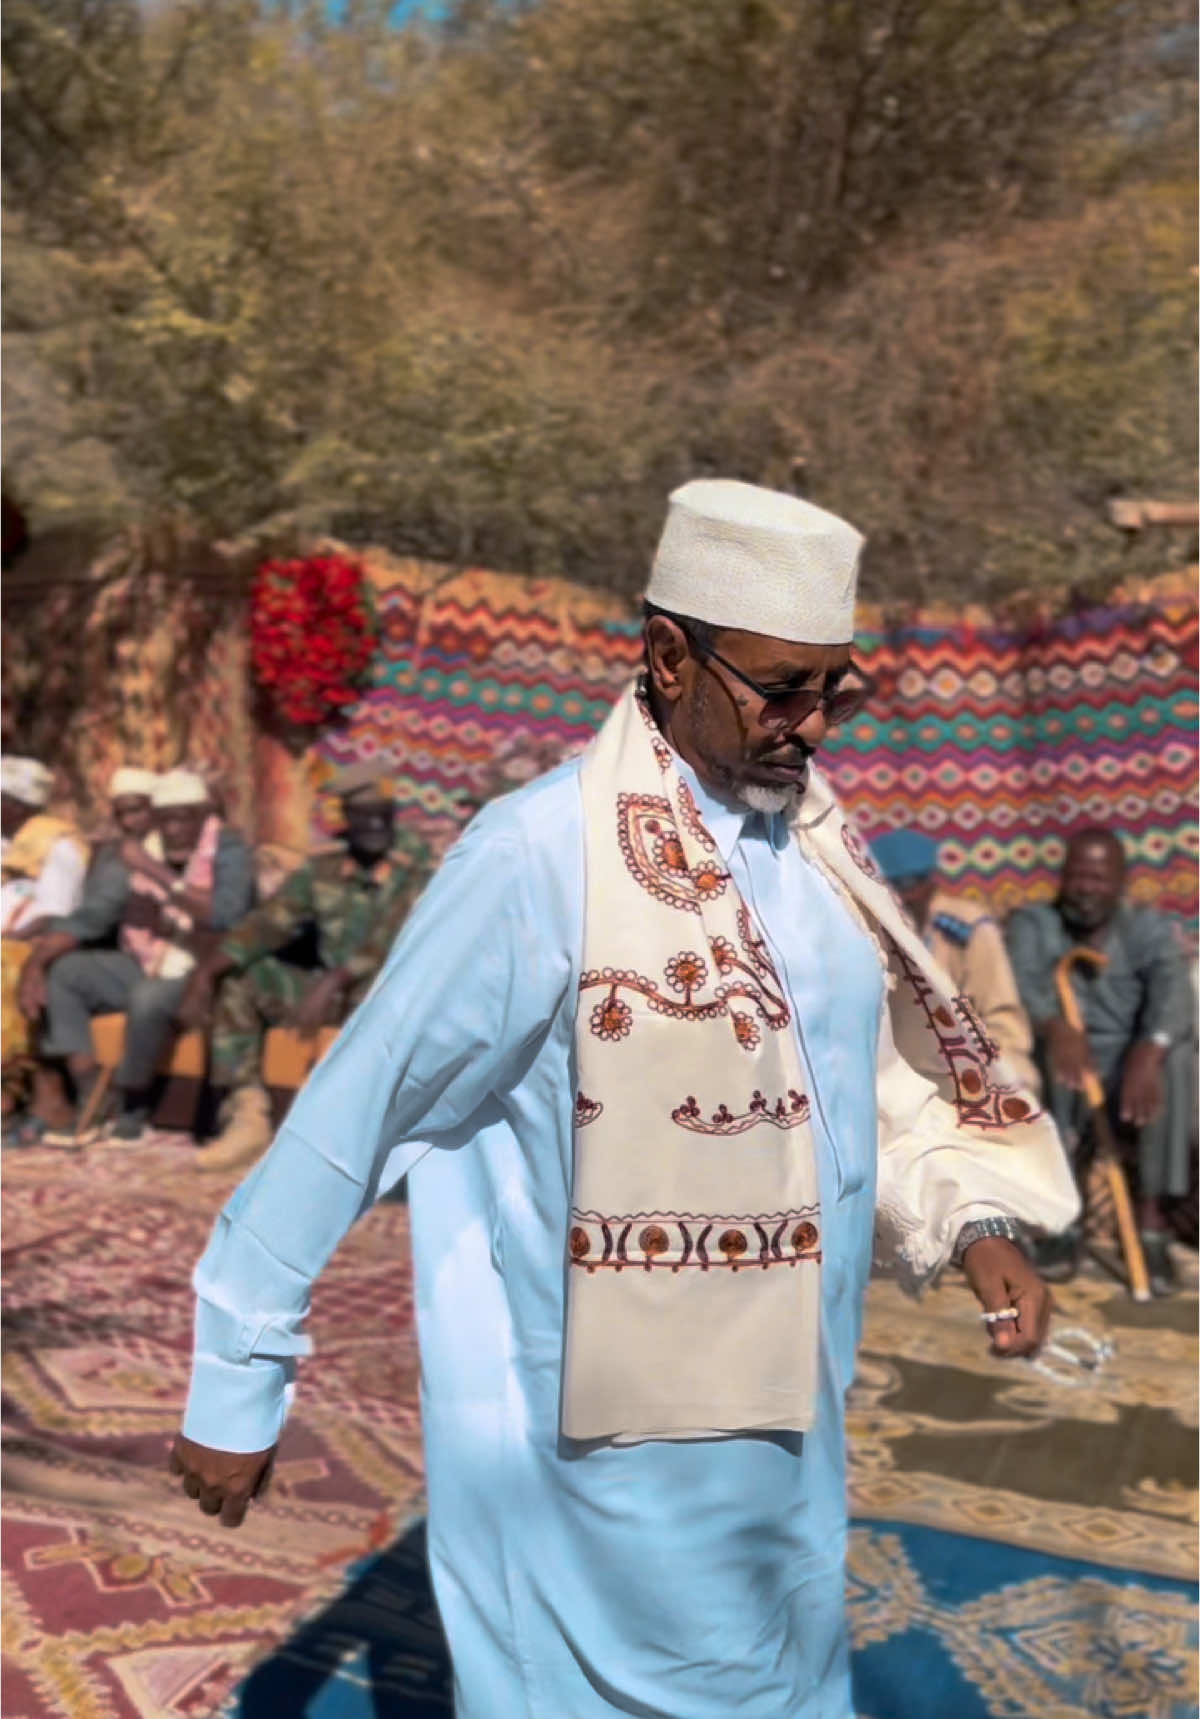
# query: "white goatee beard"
{"type": "Point", "coordinates": [768, 800]}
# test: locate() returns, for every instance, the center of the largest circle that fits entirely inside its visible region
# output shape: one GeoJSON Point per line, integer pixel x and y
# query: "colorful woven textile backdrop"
{"type": "Point", "coordinates": [996, 737]}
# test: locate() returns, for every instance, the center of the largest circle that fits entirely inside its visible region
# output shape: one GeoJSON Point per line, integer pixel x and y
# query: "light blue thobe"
{"type": "Point", "coordinates": [684, 1581]}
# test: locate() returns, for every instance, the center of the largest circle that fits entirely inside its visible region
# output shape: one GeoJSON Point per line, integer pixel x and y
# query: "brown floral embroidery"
{"type": "Point", "coordinates": [612, 1018]}
{"type": "Point", "coordinates": [860, 853]}
{"type": "Point", "coordinates": [654, 855]}
{"type": "Point", "coordinates": [782, 1114]}
{"type": "Point", "coordinates": [687, 972]}
{"type": "Point", "coordinates": [668, 851]}
{"type": "Point", "coordinates": [745, 1031]}
{"type": "Point", "coordinates": [710, 881]}
{"type": "Point", "coordinates": [671, 1241]}
{"type": "Point", "coordinates": [723, 953]}
{"type": "Point", "coordinates": [691, 817]}
{"type": "Point", "coordinates": [967, 1053]}
{"type": "Point", "coordinates": [989, 1050]}
{"type": "Point", "coordinates": [586, 1109]}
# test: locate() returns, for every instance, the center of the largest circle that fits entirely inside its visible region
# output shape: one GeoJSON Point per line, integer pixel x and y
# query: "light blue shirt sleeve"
{"type": "Point", "coordinates": [474, 980]}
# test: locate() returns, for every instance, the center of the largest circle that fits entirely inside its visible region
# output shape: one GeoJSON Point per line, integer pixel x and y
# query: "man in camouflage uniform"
{"type": "Point", "coordinates": [965, 941]}
{"type": "Point", "coordinates": [305, 958]}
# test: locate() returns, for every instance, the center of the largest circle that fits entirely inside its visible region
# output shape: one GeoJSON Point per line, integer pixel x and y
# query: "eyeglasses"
{"type": "Point", "coordinates": [785, 706]}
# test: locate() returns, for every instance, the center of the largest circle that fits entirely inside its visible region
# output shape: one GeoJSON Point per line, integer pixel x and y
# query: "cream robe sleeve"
{"type": "Point", "coordinates": [935, 1176]}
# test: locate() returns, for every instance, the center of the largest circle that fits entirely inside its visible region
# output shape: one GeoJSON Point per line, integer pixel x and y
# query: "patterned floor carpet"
{"type": "Point", "coordinates": [1025, 1542]}
{"type": "Point", "coordinates": [120, 1598]}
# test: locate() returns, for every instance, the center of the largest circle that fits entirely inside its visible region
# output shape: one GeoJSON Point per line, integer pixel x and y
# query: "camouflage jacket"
{"type": "Point", "coordinates": [354, 913]}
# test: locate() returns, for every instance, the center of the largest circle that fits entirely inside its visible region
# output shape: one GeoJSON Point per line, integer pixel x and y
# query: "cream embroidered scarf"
{"type": "Point", "coordinates": [694, 1248]}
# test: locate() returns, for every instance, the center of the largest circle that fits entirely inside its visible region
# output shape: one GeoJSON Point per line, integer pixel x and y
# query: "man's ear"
{"type": "Point", "coordinates": [666, 653]}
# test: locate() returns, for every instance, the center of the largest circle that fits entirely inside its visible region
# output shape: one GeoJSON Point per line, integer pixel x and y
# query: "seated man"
{"type": "Point", "coordinates": [43, 858]}
{"type": "Point", "coordinates": [155, 904]}
{"type": "Point", "coordinates": [1138, 1015]}
{"type": "Point", "coordinates": [965, 941]}
{"type": "Point", "coordinates": [349, 904]}
{"type": "Point", "coordinates": [131, 804]}
{"type": "Point", "coordinates": [43, 861]}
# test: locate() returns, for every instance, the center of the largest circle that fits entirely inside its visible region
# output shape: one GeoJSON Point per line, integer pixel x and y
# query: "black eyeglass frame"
{"type": "Point", "coordinates": [795, 704]}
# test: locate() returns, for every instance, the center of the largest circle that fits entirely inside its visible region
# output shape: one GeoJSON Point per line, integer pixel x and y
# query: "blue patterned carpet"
{"type": "Point", "coordinates": [947, 1627]}
{"type": "Point", "coordinates": [944, 1627]}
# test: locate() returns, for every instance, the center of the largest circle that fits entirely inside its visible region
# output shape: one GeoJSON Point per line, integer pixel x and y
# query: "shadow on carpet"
{"type": "Point", "coordinates": [378, 1650]}
{"type": "Point", "coordinates": [941, 1625]}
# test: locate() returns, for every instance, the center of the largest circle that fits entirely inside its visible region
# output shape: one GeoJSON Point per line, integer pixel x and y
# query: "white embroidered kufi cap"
{"type": "Point", "coordinates": [26, 780]}
{"type": "Point", "coordinates": [130, 783]}
{"type": "Point", "coordinates": [739, 556]}
{"type": "Point", "coordinates": [179, 788]}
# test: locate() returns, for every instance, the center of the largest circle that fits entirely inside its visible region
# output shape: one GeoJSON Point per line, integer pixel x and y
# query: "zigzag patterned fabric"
{"type": "Point", "coordinates": [998, 739]}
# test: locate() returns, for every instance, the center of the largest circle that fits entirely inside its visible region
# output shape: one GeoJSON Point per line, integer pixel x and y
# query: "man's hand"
{"type": "Point", "coordinates": [31, 989]}
{"type": "Point", "coordinates": [1142, 1084]}
{"type": "Point", "coordinates": [1002, 1277]}
{"type": "Point", "coordinates": [1068, 1053]}
{"type": "Point", "coordinates": [320, 1004]}
{"type": "Point", "coordinates": [134, 856]}
{"type": "Point", "coordinates": [222, 1482]}
{"type": "Point", "coordinates": [194, 1008]}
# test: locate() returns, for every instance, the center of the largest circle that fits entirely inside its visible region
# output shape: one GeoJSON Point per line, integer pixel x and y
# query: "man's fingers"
{"type": "Point", "coordinates": [999, 1311]}
{"type": "Point", "coordinates": [211, 1500]}
{"type": "Point", "coordinates": [175, 1461]}
{"type": "Point", "coordinates": [262, 1484]}
{"type": "Point", "coordinates": [191, 1484]}
{"type": "Point", "coordinates": [1027, 1332]}
{"type": "Point", "coordinates": [1004, 1334]}
{"type": "Point", "coordinates": [233, 1510]}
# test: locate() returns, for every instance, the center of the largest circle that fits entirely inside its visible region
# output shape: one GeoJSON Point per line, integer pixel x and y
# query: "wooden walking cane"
{"type": "Point", "coordinates": [1110, 1160]}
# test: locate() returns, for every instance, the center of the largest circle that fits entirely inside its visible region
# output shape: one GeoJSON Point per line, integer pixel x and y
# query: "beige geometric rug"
{"type": "Point", "coordinates": [1096, 1462]}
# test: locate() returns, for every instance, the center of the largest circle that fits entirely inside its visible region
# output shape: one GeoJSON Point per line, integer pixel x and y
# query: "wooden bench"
{"type": "Point", "coordinates": [287, 1061]}
{"type": "Point", "coordinates": [187, 1057]}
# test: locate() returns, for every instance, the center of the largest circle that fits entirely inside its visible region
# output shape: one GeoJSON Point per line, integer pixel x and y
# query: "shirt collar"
{"type": "Point", "coordinates": [726, 821]}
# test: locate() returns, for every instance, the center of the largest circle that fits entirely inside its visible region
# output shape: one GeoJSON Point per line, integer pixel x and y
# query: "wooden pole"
{"type": "Point", "coordinates": [1093, 1092]}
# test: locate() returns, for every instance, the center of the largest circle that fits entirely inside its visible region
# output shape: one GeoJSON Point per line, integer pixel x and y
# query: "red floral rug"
{"type": "Point", "coordinates": [120, 1598]}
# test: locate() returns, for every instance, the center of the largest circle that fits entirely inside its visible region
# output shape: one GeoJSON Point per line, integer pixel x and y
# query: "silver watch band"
{"type": "Point", "coordinates": [981, 1228]}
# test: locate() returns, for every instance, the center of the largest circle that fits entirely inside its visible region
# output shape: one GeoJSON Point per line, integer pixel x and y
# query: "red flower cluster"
{"type": "Point", "coordinates": [312, 633]}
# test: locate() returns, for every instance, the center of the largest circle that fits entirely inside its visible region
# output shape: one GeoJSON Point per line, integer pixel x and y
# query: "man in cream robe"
{"type": "Point", "coordinates": [636, 1339]}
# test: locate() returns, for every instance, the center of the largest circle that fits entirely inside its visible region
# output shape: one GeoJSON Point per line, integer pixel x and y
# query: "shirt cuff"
{"type": "Point", "coordinates": [237, 1406]}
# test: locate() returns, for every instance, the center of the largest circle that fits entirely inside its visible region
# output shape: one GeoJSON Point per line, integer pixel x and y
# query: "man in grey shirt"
{"type": "Point", "coordinates": [1138, 1014]}
{"type": "Point", "coordinates": [129, 947]}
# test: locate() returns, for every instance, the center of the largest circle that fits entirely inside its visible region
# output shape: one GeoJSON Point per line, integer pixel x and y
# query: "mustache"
{"type": "Point", "coordinates": [792, 758]}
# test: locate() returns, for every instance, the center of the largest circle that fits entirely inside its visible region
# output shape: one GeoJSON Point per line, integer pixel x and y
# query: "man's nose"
{"type": "Point", "coordinates": [811, 729]}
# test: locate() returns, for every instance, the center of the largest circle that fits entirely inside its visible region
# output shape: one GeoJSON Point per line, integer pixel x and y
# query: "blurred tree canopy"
{"type": "Point", "coordinates": [488, 290]}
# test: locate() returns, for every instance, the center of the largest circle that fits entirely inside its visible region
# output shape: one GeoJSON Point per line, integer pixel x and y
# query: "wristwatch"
{"type": "Point", "coordinates": [1161, 1039]}
{"type": "Point", "coordinates": [981, 1228]}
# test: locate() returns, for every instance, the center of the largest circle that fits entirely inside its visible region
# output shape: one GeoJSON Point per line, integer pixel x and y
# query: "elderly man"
{"type": "Point", "coordinates": [636, 1048]}
{"type": "Point", "coordinates": [131, 802]}
{"type": "Point", "coordinates": [965, 941]}
{"type": "Point", "coordinates": [43, 858]}
{"type": "Point", "coordinates": [156, 902]}
{"type": "Point", "coordinates": [306, 957]}
{"type": "Point", "coordinates": [1138, 1016]}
